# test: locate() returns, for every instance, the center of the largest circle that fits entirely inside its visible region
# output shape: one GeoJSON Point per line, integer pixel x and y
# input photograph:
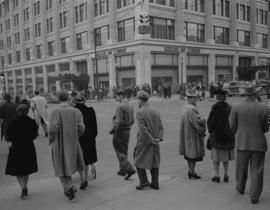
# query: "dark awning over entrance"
{"type": "Point", "coordinates": [248, 73]}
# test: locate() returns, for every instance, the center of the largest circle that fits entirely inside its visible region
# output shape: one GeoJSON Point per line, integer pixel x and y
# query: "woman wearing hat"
{"type": "Point", "coordinates": [221, 136]}
{"type": "Point", "coordinates": [22, 159]}
{"type": "Point", "coordinates": [192, 132]}
{"type": "Point", "coordinates": [88, 139]}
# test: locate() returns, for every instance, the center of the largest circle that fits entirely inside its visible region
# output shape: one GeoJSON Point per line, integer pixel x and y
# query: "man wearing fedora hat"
{"type": "Point", "coordinates": [122, 122]}
{"type": "Point", "coordinates": [249, 121]}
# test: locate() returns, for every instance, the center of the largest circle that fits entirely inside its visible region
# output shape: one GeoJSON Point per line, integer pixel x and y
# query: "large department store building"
{"type": "Point", "coordinates": [49, 45]}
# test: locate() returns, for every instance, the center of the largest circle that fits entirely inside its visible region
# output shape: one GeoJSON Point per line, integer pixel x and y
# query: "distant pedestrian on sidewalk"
{"type": "Point", "coordinates": [7, 114]}
{"type": "Point", "coordinates": [39, 105]}
{"type": "Point", "coordinates": [249, 122]}
{"type": "Point", "coordinates": [122, 122]}
{"type": "Point", "coordinates": [221, 136]}
{"type": "Point", "coordinates": [192, 133]}
{"type": "Point", "coordinates": [22, 160]}
{"type": "Point", "coordinates": [65, 127]}
{"type": "Point", "coordinates": [88, 139]}
{"type": "Point", "coordinates": [147, 150]}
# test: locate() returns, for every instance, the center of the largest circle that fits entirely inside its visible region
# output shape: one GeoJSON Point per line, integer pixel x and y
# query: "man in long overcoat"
{"type": "Point", "coordinates": [249, 122]}
{"type": "Point", "coordinates": [65, 127]}
{"type": "Point", "coordinates": [147, 150]}
{"type": "Point", "coordinates": [192, 132]}
{"type": "Point", "coordinates": [122, 122]}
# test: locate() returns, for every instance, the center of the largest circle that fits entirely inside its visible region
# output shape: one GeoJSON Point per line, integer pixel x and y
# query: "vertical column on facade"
{"type": "Point", "coordinates": [90, 71]}
{"type": "Point", "coordinates": [71, 19]}
{"type": "Point", "coordinates": [233, 27]}
{"type": "Point", "coordinates": [211, 68]}
{"type": "Point", "coordinates": [58, 83]}
{"type": "Point", "coordinates": [143, 66]}
{"type": "Point", "coordinates": [268, 36]}
{"type": "Point", "coordinates": [23, 82]}
{"type": "Point", "coordinates": [90, 25]}
{"type": "Point", "coordinates": [72, 69]}
{"type": "Point", "coordinates": [56, 27]}
{"type": "Point", "coordinates": [179, 27]}
{"type": "Point", "coordinates": [182, 70]}
{"type": "Point", "coordinates": [6, 81]}
{"type": "Point", "coordinates": [112, 72]}
{"type": "Point", "coordinates": [44, 29]}
{"type": "Point", "coordinates": [253, 33]}
{"type": "Point", "coordinates": [235, 65]}
{"type": "Point", "coordinates": [5, 38]}
{"type": "Point", "coordinates": [45, 79]}
{"type": "Point", "coordinates": [209, 21]}
{"type": "Point", "coordinates": [112, 22]}
{"type": "Point", "coordinates": [32, 30]}
{"type": "Point", "coordinates": [139, 9]}
{"type": "Point", "coordinates": [11, 18]}
{"type": "Point", "coordinates": [21, 30]}
{"type": "Point", "coordinates": [34, 79]}
{"type": "Point", "coordinates": [14, 82]}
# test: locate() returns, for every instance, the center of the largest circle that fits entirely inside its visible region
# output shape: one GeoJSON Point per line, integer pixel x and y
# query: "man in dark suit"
{"type": "Point", "coordinates": [249, 122]}
{"type": "Point", "coordinates": [147, 151]}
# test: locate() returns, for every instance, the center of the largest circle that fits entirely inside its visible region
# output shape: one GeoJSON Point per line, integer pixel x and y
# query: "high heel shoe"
{"type": "Point", "coordinates": [226, 178]}
{"type": "Point", "coordinates": [83, 185]}
{"type": "Point", "coordinates": [193, 176]}
{"type": "Point", "coordinates": [24, 193]}
{"type": "Point", "coordinates": [216, 179]}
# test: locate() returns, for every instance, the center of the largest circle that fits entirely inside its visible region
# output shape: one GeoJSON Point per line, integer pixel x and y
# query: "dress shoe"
{"type": "Point", "coordinates": [71, 193]}
{"type": "Point", "coordinates": [254, 201]}
{"type": "Point", "coordinates": [83, 185]}
{"type": "Point", "coordinates": [153, 186]}
{"type": "Point", "coordinates": [121, 173]}
{"type": "Point", "coordinates": [241, 192]}
{"type": "Point", "coordinates": [193, 176]}
{"type": "Point", "coordinates": [24, 193]}
{"type": "Point", "coordinates": [141, 186]}
{"type": "Point", "coordinates": [129, 174]}
{"type": "Point", "coordinates": [216, 179]}
{"type": "Point", "coordinates": [226, 178]}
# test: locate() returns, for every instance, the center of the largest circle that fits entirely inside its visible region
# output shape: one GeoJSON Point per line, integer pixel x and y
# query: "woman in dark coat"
{"type": "Point", "coordinates": [88, 139]}
{"type": "Point", "coordinates": [22, 159]}
{"type": "Point", "coordinates": [221, 136]}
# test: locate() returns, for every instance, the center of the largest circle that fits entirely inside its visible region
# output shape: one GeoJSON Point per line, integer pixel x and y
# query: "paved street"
{"type": "Point", "coordinates": [109, 191]}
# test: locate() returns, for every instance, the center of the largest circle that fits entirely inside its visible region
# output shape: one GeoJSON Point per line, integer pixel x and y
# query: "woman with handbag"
{"type": "Point", "coordinates": [221, 139]}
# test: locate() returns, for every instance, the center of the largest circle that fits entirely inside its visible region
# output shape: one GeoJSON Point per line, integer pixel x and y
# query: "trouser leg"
{"type": "Point", "coordinates": [142, 175]}
{"type": "Point", "coordinates": [242, 160]}
{"type": "Point", "coordinates": [66, 182]}
{"type": "Point", "coordinates": [154, 175]}
{"type": "Point", "coordinates": [256, 174]}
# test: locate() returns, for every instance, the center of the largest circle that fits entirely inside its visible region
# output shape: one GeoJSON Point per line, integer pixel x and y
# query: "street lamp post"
{"type": "Point", "coordinates": [96, 63]}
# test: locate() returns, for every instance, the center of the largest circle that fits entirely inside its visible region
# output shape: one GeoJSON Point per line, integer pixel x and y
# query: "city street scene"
{"type": "Point", "coordinates": [134, 104]}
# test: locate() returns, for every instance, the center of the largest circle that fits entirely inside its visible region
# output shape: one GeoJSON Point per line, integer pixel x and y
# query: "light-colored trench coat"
{"type": "Point", "coordinates": [65, 127]}
{"type": "Point", "coordinates": [146, 154]}
{"type": "Point", "coordinates": [40, 106]}
{"type": "Point", "coordinates": [192, 127]}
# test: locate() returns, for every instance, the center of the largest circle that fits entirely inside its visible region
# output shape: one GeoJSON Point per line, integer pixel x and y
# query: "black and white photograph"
{"type": "Point", "coordinates": [134, 104]}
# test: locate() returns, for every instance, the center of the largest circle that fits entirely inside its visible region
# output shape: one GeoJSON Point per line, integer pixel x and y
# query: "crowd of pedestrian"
{"type": "Point", "coordinates": [72, 131]}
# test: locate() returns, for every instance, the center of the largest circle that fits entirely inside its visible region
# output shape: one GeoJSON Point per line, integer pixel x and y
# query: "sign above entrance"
{"type": "Point", "coordinates": [171, 49]}
{"type": "Point", "coordinates": [174, 49]}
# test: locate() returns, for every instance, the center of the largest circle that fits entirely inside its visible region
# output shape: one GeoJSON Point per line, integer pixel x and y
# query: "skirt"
{"type": "Point", "coordinates": [222, 155]}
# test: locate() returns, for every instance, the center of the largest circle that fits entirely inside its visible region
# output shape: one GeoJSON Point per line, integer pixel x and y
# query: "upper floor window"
{"type": "Point", "coordinates": [243, 12]}
{"type": "Point", "coordinates": [17, 38]}
{"type": "Point", "coordinates": [1, 28]}
{"type": "Point", "coordinates": [124, 3]}
{"type": "Point", "coordinates": [38, 30]}
{"type": "Point", "coordinates": [3, 61]}
{"type": "Point", "coordinates": [195, 32]}
{"type": "Point", "coordinates": [1, 10]}
{"type": "Point", "coordinates": [27, 54]}
{"type": "Point", "coordinates": [18, 56]}
{"type": "Point", "coordinates": [37, 8]}
{"type": "Point", "coordinates": [8, 24]}
{"type": "Point", "coordinates": [102, 35]}
{"type": "Point", "coordinates": [6, 6]}
{"type": "Point", "coordinates": [81, 13]}
{"type": "Point", "coordinates": [51, 48]}
{"type": "Point", "coordinates": [48, 4]}
{"type": "Point", "coordinates": [194, 5]}
{"type": "Point", "coordinates": [62, 1]}
{"type": "Point", "coordinates": [27, 34]}
{"type": "Point", "coordinates": [162, 28]}
{"type": "Point", "coordinates": [65, 44]}
{"type": "Point", "coordinates": [63, 19]}
{"type": "Point", "coordinates": [221, 8]}
{"type": "Point", "coordinates": [9, 42]}
{"type": "Point", "coordinates": [262, 40]}
{"type": "Point", "coordinates": [2, 44]}
{"type": "Point", "coordinates": [26, 14]}
{"type": "Point", "coordinates": [221, 35]}
{"type": "Point", "coordinates": [243, 38]}
{"type": "Point", "coordinates": [262, 16]}
{"type": "Point", "coordinates": [101, 7]}
{"type": "Point", "coordinates": [15, 3]}
{"type": "Point", "coordinates": [49, 25]}
{"type": "Point", "coordinates": [81, 40]}
{"type": "Point", "coordinates": [16, 20]}
{"type": "Point", "coordinates": [10, 58]}
{"type": "Point", "coordinates": [126, 29]}
{"type": "Point", "coordinates": [38, 48]}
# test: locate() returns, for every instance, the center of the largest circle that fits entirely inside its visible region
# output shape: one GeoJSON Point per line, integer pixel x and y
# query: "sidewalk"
{"type": "Point", "coordinates": [114, 193]}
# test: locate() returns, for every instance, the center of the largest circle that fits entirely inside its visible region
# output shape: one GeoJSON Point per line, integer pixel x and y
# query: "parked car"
{"type": "Point", "coordinates": [233, 88]}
